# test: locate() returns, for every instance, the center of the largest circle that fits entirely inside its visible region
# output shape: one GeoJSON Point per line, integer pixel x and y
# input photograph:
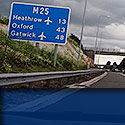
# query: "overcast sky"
{"type": "Point", "coordinates": [113, 29]}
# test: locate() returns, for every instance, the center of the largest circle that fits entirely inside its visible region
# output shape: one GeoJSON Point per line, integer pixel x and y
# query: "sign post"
{"type": "Point", "coordinates": [55, 54]}
{"type": "Point", "coordinates": [37, 48]}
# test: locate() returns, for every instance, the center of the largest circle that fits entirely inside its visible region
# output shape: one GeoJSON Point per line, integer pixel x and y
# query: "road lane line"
{"type": "Point", "coordinates": [88, 83]}
{"type": "Point", "coordinates": [122, 74]}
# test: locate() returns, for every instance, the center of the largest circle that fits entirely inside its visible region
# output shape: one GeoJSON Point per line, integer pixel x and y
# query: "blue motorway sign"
{"type": "Point", "coordinates": [40, 23]}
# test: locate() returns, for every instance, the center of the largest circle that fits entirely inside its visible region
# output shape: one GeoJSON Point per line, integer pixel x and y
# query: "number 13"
{"type": "Point", "coordinates": [63, 21]}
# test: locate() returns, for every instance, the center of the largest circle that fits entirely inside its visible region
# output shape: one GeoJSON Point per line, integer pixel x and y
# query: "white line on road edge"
{"type": "Point", "coordinates": [88, 83]}
{"type": "Point", "coordinates": [122, 74]}
{"type": "Point", "coordinates": [43, 102]}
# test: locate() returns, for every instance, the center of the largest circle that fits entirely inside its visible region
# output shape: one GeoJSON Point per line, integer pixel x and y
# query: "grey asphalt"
{"type": "Point", "coordinates": [112, 80]}
{"type": "Point", "coordinates": [84, 107]}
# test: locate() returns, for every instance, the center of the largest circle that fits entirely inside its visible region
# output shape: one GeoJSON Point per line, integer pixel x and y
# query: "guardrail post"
{"type": "Point", "coordinates": [79, 77]}
{"type": "Point", "coordinates": [74, 79]}
{"type": "Point", "coordinates": [68, 80]}
{"type": "Point", "coordinates": [47, 83]}
{"type": "Point", "coordinates": [85, 77]}
{"type": "Point", "coordinates": [91, 75]}
{"type": "Point", "coordinates": [60, 82]}
{"type": "Point", "coordinates": [30, 85]}
{"type": "Point", "coordinates": [88, 76]}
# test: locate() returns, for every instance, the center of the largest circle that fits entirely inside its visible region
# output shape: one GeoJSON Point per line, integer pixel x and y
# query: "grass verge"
{"type": "Point", "coordinates": [20, 57]}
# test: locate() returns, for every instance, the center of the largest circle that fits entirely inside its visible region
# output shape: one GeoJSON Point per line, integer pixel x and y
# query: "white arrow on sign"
{"type": "Point", "coordinates": [42, 36]}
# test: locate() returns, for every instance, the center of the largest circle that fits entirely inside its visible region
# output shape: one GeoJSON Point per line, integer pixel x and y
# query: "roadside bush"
{"type": "Point", "coordinates": [18, 56]}
{"type": "Point", "coordinates": [4, 21]}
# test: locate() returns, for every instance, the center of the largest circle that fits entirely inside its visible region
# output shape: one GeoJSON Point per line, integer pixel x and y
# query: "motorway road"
{"type": "Point", "coordinates": [112, 80]}
{"type": "Point", "coordinates": [82, 107]}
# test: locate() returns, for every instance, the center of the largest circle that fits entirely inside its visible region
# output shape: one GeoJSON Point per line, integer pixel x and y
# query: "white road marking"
{"type": "Point", "coordinates": [122, 74]}
{"type": "Point", "coordinates": [88, 83]}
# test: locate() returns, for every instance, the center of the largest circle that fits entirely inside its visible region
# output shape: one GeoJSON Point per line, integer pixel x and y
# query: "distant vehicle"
{"type": "Point", "coordinates": [107, 66]}
{"type": "Point", "coordinates": [123, 71]}
{"type": "Point", "coordinates": [114, 67]}
{"type": "Point", "coordinates": [121, 66]}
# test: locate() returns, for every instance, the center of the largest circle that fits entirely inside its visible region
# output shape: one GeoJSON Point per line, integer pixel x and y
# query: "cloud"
{"type": "Point", "coordinates": [112, 28]}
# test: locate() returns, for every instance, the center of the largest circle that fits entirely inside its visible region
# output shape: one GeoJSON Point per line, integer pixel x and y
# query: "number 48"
{"type": "Point", "coordinates": [58, 37]}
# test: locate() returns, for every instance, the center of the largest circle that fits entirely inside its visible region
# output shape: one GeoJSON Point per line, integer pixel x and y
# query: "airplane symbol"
{"type": "Point", "coordinates": [48, 21]}
{"type": "Point", "coordinates": [42, 36]}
